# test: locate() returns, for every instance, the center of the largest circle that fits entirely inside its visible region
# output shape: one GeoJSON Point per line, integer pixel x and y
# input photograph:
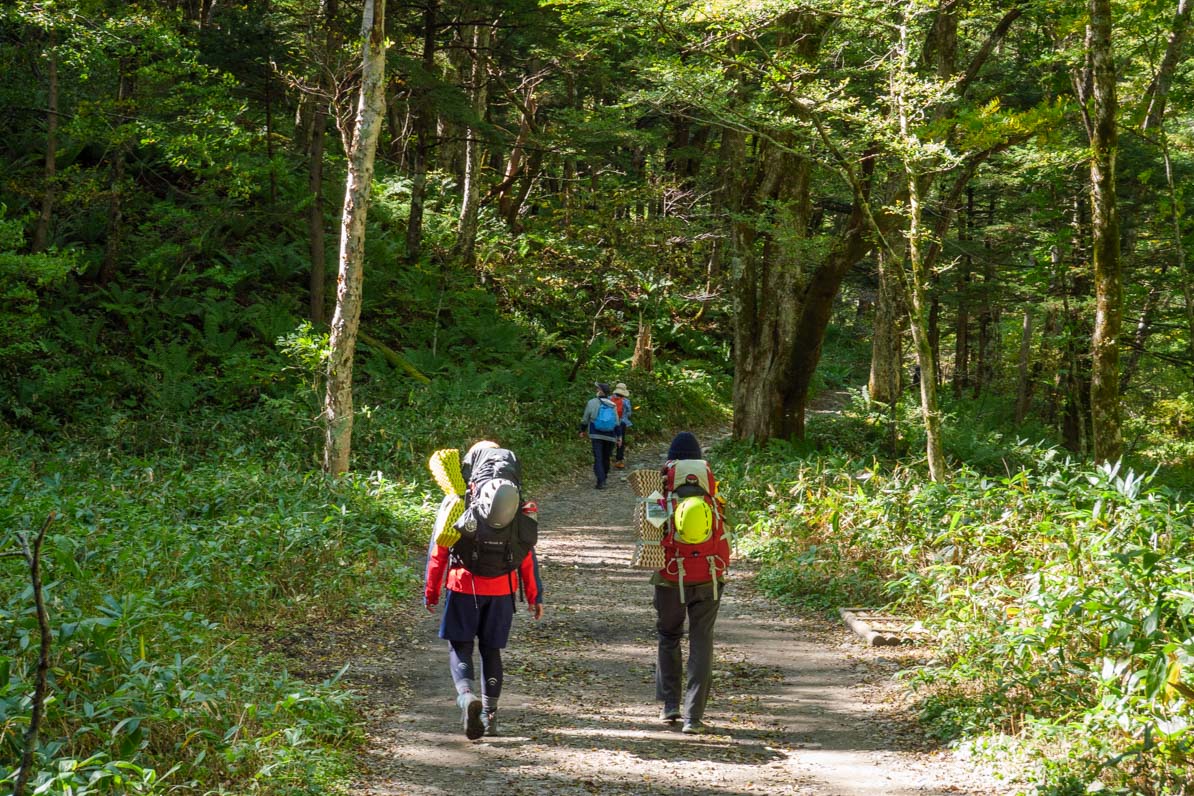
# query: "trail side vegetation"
{"type": "Point", "coordinates": [926, 258]}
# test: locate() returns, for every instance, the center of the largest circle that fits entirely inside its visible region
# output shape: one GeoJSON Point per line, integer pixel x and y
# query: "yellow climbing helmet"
{"type": "Point", "coordinates": [693, 520]}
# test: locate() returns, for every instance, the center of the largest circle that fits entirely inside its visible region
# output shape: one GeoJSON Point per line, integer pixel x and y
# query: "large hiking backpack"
{"type": "Point", "coordinates": [696, 542]}
{"type": "Point", "coordinates": [607, 417]}
{"type": "Point", "coordinates": [494, 544]}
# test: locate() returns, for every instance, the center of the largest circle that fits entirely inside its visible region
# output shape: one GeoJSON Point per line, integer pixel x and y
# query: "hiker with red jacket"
{"type": "Point", "coordinates": [689, 586]}
{"type": "Point", "coordinates": [600, 423]}
{"type": "Point", "coordinates": [492, 561]}
{"type": "Point", "coordinates": [621, 399]}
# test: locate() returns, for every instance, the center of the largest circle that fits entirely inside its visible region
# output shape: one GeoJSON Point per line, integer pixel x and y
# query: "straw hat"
{"type": "Point", "coordinates": [621, 390]}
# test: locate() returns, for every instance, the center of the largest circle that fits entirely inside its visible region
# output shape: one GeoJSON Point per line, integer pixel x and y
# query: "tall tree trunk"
{"type": "Point", "coordinates": [1024, 386]}
{"type": "Point", "coordinates": [269, 105]}
{"type": "Point", "coordinates": [1097, 93]}
{"type": "Point", "coordinates": [918, 316]}
{"type": "Point", "coordinates": [886, 379]}
{"type": "Point", "coordinates": [1158, 94]}
{"type": "Point", "coordinates": [115, 236]}
{"type": "Point", "coordinates": [424, 133]}
{"type": "Point", "coordinates": [315, 236]}
{"type": "Point", "coordinates": [466, 240]}
{"type": "Point", "coordinates": [317, 299]}
{"type": "Point", "coordinates": [1158, 89]}
{"type": "Point", "coordinates": [41, 232]}
{"type": "Point", "coordinates": [961, 377]}
{"type": "Point", "coordinates": [370, 111]}
{"type": "Point", "coordinates": [916, 284]}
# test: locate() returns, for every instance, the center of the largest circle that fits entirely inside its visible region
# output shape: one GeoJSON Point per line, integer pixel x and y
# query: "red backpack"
{"type": "Point", "coordinates": [618, 401]}
{"type": "Point", "coordinates": [709, 560]}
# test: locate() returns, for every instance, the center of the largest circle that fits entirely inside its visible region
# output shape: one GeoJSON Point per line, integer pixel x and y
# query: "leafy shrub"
{"type": "Point", "coordinates": [1060, 594]}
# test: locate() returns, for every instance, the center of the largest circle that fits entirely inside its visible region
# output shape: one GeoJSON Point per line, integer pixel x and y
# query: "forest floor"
{"type": "Point", "coordinates": [799, 705]}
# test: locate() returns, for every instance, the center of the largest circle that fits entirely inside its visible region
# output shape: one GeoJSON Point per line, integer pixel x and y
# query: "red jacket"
{"type": "Point", "coordinates": [459, 579]}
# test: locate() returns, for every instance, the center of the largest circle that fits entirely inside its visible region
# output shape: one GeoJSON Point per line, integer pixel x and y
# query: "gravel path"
{"type": "Point", "coordinates": [799, 706]}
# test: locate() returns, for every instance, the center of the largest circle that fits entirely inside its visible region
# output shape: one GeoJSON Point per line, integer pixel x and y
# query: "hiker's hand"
{"type": "Point", "coordinates": [582, 435]}
{"type": "Point", "coordinates": [537, 611]}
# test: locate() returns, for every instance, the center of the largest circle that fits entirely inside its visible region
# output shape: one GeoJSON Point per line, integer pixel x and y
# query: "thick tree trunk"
{"type": "Point", "coordinates": [338, 407]}
{"type": "Point", "coordinates": [768, 293]}
{"type": "Point", "coordinates": [466, 239]}
{"type": "Point", "coordinates": [818, 297]}
{"type": "Point", "coordinates": [1100, 108]}
{"type": "Point", "coordinates": [424, 133]}
{"type": "Point", "coordinates": [886, 379]}
{"type": "Point", "coordinates": [41, 232]}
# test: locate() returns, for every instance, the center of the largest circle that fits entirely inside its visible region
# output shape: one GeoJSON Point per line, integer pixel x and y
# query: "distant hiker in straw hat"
{"type": "Point", "coordinates": [600, 423]}
{"type": "Point", "coordinates": [621, 399]}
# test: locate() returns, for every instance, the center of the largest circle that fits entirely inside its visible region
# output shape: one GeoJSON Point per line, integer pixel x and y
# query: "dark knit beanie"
{"type": "Point", "coordinates": [684, 446]}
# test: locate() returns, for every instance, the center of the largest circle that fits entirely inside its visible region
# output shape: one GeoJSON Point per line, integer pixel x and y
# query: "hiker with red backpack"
{"type": "Point", "coordinates": [621, 399]}
{"type": "Point", "coordinates": [483, 559]}
{"type": "Point", "coordinates": [689, 585]}
{"type": "Point", "coordinates": [600, 423]}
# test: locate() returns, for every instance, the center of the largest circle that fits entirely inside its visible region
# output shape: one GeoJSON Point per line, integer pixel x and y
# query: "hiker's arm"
{"type": "Point", "coordinates": [528, 570]}
{"type": "Point", "coordinates": [437, 568]}
{"type": "Point", "coordinates": [587, 417]}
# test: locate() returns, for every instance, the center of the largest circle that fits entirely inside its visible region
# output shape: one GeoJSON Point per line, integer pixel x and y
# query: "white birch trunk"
{"type": "Point", "coordinates": [370, 112]}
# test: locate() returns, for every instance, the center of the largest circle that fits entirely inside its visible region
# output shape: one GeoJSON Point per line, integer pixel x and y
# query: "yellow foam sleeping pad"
{"type": "Point", "coordinates": [444, 465]}
{"type": "Point", "coordinates": [445, 534]}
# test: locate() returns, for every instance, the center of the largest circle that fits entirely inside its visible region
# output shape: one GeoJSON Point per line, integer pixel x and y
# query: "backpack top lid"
{"type": "Point", "coordinates": [489, 463]}
{"type": "Point", "coordinates": [497, 502]}
{"type": "Point", "coordinates": [685, 477]}
{"type": "Point", "coordinates": [693, 520]}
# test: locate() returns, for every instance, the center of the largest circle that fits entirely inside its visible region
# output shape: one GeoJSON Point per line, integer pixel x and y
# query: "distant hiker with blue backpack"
{"type": "Point", "coordinates": [600, 423]}
{"type": "Point", "coordinates": [483, 552]}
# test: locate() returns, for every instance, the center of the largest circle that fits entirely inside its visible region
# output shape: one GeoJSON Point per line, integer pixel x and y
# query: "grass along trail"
{"type": "Point", "coordinates": [798, 705]}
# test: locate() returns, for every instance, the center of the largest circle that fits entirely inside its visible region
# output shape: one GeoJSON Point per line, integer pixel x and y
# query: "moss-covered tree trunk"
{"type": "Point", "coordinates": [1097, 93]}
{"type": "Point", "coordinates": [366, 126]}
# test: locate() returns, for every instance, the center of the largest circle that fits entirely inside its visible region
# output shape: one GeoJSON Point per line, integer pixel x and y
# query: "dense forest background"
{"type": "Point", "coordinates": [970, 215]}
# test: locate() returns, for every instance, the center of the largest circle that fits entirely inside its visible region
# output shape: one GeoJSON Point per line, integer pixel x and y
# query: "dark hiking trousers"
{"type": "Point", "coordinates": [701, 612]}
{"type": "Point", "coordinates": [603, 449]}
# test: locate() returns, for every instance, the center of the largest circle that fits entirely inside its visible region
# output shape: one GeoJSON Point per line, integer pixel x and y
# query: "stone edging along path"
{"type": "Point", "coordinates": [799, 705]}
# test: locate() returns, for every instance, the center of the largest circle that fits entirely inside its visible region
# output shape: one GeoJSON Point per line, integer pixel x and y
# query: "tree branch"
{"type": "Point", "coordinates": [33, 556]}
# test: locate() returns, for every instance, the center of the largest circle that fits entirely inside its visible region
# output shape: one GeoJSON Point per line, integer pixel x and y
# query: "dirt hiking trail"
{"type": "Point", "coordinates": [799, 706]}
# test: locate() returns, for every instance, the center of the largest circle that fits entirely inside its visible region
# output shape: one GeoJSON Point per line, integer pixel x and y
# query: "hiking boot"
{"type": "Point", "coordinates": [669, 713]}
{"type": "Point", "coordinates": [490, 721]}
{"type": "Point", "coordinates": [694, 727]}
{"type": "Point", "coordinates": [619, 465]}
{"type": "Point", "coordinates": [470, 715]}
{"type": "Point", "coordinates": [601, 485]}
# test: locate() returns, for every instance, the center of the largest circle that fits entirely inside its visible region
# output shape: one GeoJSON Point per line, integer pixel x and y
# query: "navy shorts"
{"type": "Point", "coordinates": [486, 618]}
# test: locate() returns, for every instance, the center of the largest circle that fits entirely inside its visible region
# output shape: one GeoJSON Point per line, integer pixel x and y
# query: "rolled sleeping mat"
{"type": "Point", "coordinates": [444, 465]}
{"type": "Point", "coordinates": [450, 510]}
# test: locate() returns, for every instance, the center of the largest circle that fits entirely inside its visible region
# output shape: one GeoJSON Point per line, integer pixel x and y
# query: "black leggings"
{"type": "Point", "coordinates": [461, 658]}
